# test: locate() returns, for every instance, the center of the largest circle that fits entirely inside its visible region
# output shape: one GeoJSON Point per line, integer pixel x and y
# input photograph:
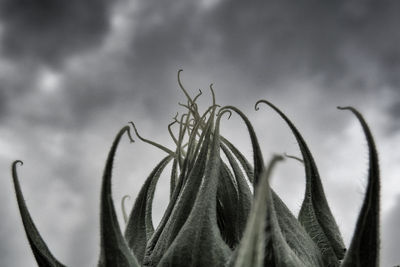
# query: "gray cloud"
{"type": "Point", "coordinates": [274, 40]}
{"type": "Point", "coordinates": [47, 31]}
{"type": "Point", "coordinates": [306, 56]}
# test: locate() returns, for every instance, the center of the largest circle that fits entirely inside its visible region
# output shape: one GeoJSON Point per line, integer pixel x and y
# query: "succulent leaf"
{"type": "Point", "coordinates": [114, 250]}
{"type": "Point", "coordinates": [315, 214]}
{"type": "Point", "coordinates": [140, 227]}
{"type": "Point", "coordinates": [365, 244]}
{"type": "Point", "coordinates": [42, 254]}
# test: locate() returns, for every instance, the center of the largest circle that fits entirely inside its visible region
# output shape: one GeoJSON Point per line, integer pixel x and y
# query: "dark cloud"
{"type": "Point", "coordinates": [48, 31]}
{"type": "Point", "coordinates": [304, 55]}
{"type": "Point", "coordinates": [274, 40]}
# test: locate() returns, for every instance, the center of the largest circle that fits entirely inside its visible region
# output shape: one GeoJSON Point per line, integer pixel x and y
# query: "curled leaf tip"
{"type": "Point", "coordinates": [222, 112]}
{"type": "Point", "coordinates": [256, 107]}
{"type": "Point", "coordinates": [129, 132]}
{"type": "Point", "coordinates": [212, 93]}
{"type": "Point", "coordinates": [17, 162]}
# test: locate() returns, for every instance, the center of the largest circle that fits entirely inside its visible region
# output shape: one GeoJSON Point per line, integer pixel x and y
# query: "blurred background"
{"type": "Point", "coordinates": [72, 73]}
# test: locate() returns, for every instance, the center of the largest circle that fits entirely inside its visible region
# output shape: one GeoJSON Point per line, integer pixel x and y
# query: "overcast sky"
{"type": "Point", "coordinates": [72, 73]}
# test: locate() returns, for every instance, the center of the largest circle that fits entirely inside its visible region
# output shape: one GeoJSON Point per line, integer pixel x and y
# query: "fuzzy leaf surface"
{"type": "Point", "coordinates": [140, 224]}
{"type": "Point", "coordinates": [315, 214]}
{"type": "Point", "coordinates": [199, 242]}
{"type": "Point", "coordinates": [180, 205]}
{"type": "Point", "coordinates": [42, 254]}
{"type": "Point", "coordinates": [364, 247]}
{"type": "Point", "coordinates": [264, 243]}
{"type": "Point", "coordinates": [114, 250]}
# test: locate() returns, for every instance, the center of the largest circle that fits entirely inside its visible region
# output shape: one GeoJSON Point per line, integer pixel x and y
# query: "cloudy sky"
{"type": "Point", "coordinates": [72, 73]}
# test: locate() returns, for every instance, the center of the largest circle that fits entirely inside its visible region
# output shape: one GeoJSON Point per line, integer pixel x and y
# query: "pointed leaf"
{"type": "Point", "coordinates": [244, 197]}
{"type": "Point", "coordinates": [258, 158]}
{"type": "Point", "coordinates": [241, 158]}
{"type": "Point", "coordinates": [180, 205]}
{"type": "Point", "coordinates": [315, 214]}
{"type": "Point", "coordinates": [294, 234]}
{"type": "Point", "coordinates": [263, 243]}
{"type": "Point", "coordinates": [365, 245]}
{"type": "Point", "coordinates": [140, 224]}
{"type": "Point", "coordinates": [227, 205]}
{"type": "Point", "coordinates": [251, 250]}
{"type": "Point", "coordinates": [199, 242]}
{"type": "Point", "coordinates": [42, 254]}
{"type": "Point", "coordinates": [114, 249]}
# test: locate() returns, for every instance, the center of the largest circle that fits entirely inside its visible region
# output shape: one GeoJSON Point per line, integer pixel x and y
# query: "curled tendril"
{"type": "Point", "coordinates": [171, 132]}
{"type": "Point", "coordinates": [197, 96]}
{"type": "Point", "coordinates": [151, 142]}
{"type": "Point", "coordinates": [223, 111]}
{"type": "Point", "coordinates": [123, 207]}
{"type": "Point", "coordinates": [256, 105]}
{"type": "Point", "coordinates": [212, 93]}
{"type": "Point", "coordinates": [191, 109]}
{"type": "Point", "coordinates": [176, 117]}
{"type": "Point", "coordinates": [20, 162]}
{"type": "Point", "coordinates": [293, 157]}
{"type": "Point", "coordinates": [183, 88]}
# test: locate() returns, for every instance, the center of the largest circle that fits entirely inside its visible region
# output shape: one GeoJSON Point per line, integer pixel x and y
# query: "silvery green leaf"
{"type": "Point", "coordinates": [294, 233]}
{"type": "Point", "coordinates": [227, 205]}
{"type": "Point", "coordinates": [114, 250]}
{"type": "Point", "coordinates": [364, 247]}
{"type": "Point", "coordinates": [180, 205]}
{"type": "Point", "coordinates": [140, 224]}
{"type": "Point", "coordinates": [244, 197]}
{"type": "Point", "coordinates": [315, 214]}
{"type": "Point", "coordinates": [257, 155]}
{"type": "Point", "coordinates": [263, 243]}
{"type": "Point", "coordinates": [252, 248]}
{"type": "Point", "coordinates": [241, 158]}
{"type": "Point", "coordinates": [199, 241]}
{"type": "Point", "coordinates": [42, 254]}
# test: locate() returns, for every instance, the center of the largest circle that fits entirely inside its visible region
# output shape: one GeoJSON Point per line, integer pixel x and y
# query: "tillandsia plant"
{"type": "Point", "coordinates": [213, 218]}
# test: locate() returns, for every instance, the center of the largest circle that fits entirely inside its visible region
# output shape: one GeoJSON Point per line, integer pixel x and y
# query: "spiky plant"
{"type": "Point", "coordinates": [213, 218]}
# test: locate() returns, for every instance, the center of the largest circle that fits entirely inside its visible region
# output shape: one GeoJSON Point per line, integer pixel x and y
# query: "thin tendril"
{"type": "Point", "coordinates": [197, 96]}
{"type": "Point", "coordinates": [151, 142]}
{"type": "Point", "coordinates": [183, 88]}
{"type": "Point", "coordinates": [293, 157]}
{"type": "Point", "coordinates": [212, 93]}
{"type": "Point", "coordinates": [171, 133]}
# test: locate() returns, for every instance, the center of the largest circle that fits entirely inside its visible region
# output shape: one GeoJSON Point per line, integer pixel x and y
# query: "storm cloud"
{"type": "Point", "coordinates": [48, 31]}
